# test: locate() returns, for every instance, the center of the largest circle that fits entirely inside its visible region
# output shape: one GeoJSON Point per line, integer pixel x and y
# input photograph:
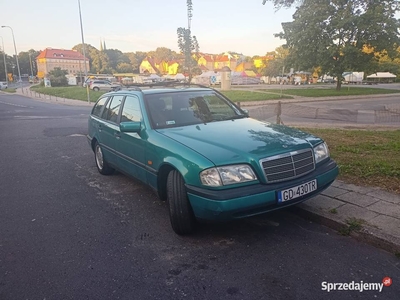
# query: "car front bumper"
{"type": "Point", "coordinates": [255, 199]}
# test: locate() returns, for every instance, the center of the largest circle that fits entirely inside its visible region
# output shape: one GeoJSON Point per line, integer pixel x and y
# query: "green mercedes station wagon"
{"type": "Point", "coordinates": [204, 155]}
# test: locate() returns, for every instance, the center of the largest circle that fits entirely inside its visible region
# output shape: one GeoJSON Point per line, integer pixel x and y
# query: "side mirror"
{"type": "Point", "coordinates": [130, 126]}
{"type": "Point", "coordinates": [246, 112]}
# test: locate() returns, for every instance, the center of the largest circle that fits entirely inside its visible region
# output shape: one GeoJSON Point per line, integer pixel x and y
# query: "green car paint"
{"type": "Point", "coordinates": [147, 149]}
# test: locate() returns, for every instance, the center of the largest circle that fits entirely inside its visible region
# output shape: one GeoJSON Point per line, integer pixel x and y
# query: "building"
{"type": "Point", "coordinates": [70, 60]}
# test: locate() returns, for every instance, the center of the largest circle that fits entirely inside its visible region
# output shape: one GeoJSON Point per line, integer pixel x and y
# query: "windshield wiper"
{"type": "Point", "coordinates": [237, 117]}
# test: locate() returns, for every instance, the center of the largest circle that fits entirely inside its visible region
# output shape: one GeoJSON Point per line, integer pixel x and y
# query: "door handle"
{"type": "Point", "coordinates": [117, 135]}
{"type": "Point", "coordinates": [100, 128]}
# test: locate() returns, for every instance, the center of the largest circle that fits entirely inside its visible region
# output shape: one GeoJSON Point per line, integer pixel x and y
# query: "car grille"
{"type": "Point", "coordinates": [289, 165]}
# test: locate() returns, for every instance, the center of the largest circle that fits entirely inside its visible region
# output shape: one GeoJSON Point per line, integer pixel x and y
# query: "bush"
{"type": "Point", "coordinates": [58, 81]}
{"type": "Point", "coordinates": [57, 77]}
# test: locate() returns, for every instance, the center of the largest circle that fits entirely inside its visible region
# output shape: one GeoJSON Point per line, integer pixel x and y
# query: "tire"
{"type": "Point", "coordinates": [96, 89]}
{"type": "Point", "coordinates": [180, 212]}
{"type": "Point", "coordinates": [101, 164]}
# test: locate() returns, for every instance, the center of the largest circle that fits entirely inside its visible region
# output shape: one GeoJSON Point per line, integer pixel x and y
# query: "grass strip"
{"type": "Point", "coordinates": [365, 157]}
{"type": "Point", "coordinates": [331, 92]}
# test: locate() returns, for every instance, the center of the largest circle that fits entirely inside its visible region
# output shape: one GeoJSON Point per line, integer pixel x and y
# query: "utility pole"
{"type": "Point", "coordinates": [83, 49]}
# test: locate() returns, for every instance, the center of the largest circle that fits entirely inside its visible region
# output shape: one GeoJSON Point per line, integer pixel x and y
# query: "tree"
{"type": "Point", "coordinates": [163, 53]}
{"type": "Point", "coordinates": [25, 62]}
{"type": "Point", "coordinates": [284, 3]}
{"type": "Point", "coordinates": [115, 58]}
{"type": "Point", "coordinates": [9, 64]}
{"type": "Point", "coordinates": [136, 59]}
{"type": "Point", "coordinates": [124, 68]}
{"type": "Point", "coordinates": [98, 60]}
{"type": "Point", "coordinates": [333, 34]}
{"type": "Point", "coordinates": [58, 77]}
{"type": "Point", "coordinates": [275, 66]}
{"type": "Point", "coordinates": [187, 44]}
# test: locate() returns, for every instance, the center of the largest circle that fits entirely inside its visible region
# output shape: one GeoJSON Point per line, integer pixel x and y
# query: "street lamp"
{"type": "Point", "coordinates": [84, 52]}
{"type": "Point", "coordinates": [4, 57]}
{"type": "Point", "coordinates": [30, 62]}
{"type": "Point", "coordinates": [15, 49]}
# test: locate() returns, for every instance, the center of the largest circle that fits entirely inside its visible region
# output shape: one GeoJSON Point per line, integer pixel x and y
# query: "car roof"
{"type": "Point", "coordinates": [150, 90]}
{"type": "Point", "coordinates": [173, 90]}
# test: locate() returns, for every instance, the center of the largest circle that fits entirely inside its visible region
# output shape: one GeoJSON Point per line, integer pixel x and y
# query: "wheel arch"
{"type": "Point", "coordinates": [162, 180]}
{"type": "Point", "coordinates": [93, 143]}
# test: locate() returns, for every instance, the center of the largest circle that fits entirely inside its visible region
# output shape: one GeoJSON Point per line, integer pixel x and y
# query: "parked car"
{"type": "Point", "coordinates": [105, 85]}
{"type": "Point", "coordinates": [3, 85]}
{"type": "Point", "coordinates": [205, 155]}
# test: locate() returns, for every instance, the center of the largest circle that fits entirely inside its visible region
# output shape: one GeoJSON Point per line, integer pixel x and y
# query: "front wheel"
{"type": "Point", "coordinates": [180, 212]}
{"type": "Point", "coordinates": [96, 89]}
{"type": "Point", "coordinates": [101, 163]}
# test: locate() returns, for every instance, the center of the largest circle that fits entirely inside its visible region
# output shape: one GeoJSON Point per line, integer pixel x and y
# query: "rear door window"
{"type": "Point", "coordinates": [131, 110]}
{"type": "Point", "coordinates": [98, 108]}
{"type": "Point", "coordinates": [112, 110]}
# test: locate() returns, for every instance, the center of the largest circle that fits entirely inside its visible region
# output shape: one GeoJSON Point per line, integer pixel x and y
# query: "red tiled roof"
{"type": "Point", "coordinates": [151, 62]}
{"type": "Point", "coordinates": [208, 58]}
{"type": "Point", "coordinates": [222, 58]}
{"type": "Point", "coordinates": [60, 53]}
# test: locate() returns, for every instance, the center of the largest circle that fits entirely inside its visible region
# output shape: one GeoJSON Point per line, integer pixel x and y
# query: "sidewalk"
{"type": "Point", "coordinates": [368, 214]}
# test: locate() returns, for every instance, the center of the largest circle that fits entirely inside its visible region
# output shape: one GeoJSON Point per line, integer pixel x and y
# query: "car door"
{"type": "Point", "coordinates": [108, 128]}
{"type": "Point", "coordinates": [131, 145]}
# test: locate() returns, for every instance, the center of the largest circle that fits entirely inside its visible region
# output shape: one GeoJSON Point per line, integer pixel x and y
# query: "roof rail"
{"type": "Point", "coordinates": [166, 83]}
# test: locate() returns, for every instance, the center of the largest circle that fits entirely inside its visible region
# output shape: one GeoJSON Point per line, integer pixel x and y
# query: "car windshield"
{"type": "Point", "coordinates": [189, 108]}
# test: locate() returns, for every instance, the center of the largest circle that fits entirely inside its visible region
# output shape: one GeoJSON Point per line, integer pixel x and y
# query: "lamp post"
{"type": "Point", "coordinates": [84, 52]}
{"type": "Point", "coordinates": [4, 57]}
{"type": "Point", "coordinates": [15, 49]}
{"type": "Point", "coordinates": [30, 62]}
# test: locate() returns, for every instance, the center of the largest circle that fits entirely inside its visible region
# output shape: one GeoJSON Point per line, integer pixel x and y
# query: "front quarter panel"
{"type": "Point", "coordinates": [163, 151]}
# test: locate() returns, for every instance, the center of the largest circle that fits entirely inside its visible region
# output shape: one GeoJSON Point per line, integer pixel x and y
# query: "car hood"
{"type": "Point", "coordinates": [240, 140]}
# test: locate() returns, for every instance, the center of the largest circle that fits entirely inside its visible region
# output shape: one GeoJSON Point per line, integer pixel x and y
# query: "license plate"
{"type": "Point", "coordinates": [297, 191]}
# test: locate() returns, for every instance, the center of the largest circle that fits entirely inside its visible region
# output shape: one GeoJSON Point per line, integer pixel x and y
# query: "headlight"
{"type": "Point", "coordinates": [321, 152]}
{"type": "Point", "coordinates": [227, 175]}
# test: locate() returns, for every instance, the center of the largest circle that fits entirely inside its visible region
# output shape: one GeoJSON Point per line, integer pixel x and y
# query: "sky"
{"type": "Point", "coordinates": [246, 27]}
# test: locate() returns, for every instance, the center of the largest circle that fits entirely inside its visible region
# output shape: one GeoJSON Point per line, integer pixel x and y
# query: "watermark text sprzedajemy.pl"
{"type": "Point", "coordinates": [356, 286]}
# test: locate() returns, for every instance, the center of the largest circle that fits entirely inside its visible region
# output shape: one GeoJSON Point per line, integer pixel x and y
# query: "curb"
{"type": "Point", "coordinates": [367, 233]}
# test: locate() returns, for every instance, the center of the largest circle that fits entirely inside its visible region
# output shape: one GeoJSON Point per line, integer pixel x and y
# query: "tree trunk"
{"type": "Point", "coordinates": [339, 85]}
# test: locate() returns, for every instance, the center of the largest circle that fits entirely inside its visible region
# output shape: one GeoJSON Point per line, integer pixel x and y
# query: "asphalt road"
{"type": "Point", "coordinates": [67, 232]}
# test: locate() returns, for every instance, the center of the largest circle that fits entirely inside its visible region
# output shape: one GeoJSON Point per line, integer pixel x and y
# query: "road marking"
{"type": "Point", "coordinates": [36, 117]}
{"type": "Point", "coordinates": [76, 134]}
{"type": "Point", "coordinates": [13, 104]}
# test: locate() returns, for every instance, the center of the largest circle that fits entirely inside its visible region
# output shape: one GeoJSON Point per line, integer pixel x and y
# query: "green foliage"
{"type": "Point", "coordinates": [135, 59]}
{"type": "Point", "coordinates": [329, 92]}
{"type": "Point", "coordinates": [332, 34]}
{"type": "Point", "coordinates": [187, 44]}
{"type": "Point", "coordinates": [365, 157]}
{"type": "Point", "coordinates": [115, 58]}
{"type": "Point", "coordinates": [9, 64]}
{"type": "Point", "coordinates": [25, 62]}
{"type": "Point", "coordinates": [275, 67]}
{"type": "Point", "coordinates": [352, 224]}
{"type": "Point", "coordinates": [57, 77]}
{"type": "Point", "coordinates": [69, 92]}
{"type": "Point", "coordinates": [163, 53]}
{"type": "Point", "coordinates": [284, 3]}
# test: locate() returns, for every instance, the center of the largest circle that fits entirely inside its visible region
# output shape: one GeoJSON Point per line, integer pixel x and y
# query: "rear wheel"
{"type": "Point", "coordinates": [180, 211]}
{"type": "Point", "coordinates": [96, 88]}
{"type": "Point", "coordinates": [101, 163]}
